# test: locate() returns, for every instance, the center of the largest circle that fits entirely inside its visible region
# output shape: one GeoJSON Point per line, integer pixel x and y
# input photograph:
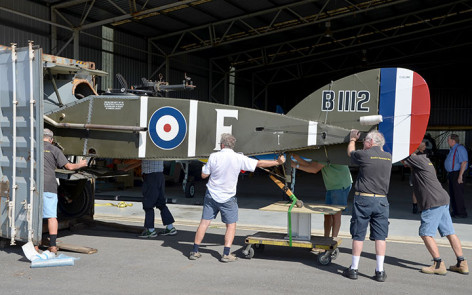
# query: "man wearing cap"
{"type": "Point", "coordinates": [370, 200]}
{"type": "Point", "coordinates": [456, 164]}
{"type": "Point", "coordinates": [53, 158]}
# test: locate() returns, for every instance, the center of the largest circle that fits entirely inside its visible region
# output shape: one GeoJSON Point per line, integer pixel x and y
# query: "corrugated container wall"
{"type": "Point", "coordinates": [19, 29]}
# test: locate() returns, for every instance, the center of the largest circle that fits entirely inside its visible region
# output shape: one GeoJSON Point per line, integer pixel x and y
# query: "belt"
{"type": "Point", "coordinates": [369, 195]}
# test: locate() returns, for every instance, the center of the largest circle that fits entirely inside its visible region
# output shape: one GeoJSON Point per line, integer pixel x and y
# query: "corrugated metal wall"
{"type": "Point", "coordinates": [128, 61]}
{"type": "Point", "coordinates": [197, 69]}
{"type": "Point", "coordinates": [450, 107]}
{"type": "Point", "coordinates": [18, 29]}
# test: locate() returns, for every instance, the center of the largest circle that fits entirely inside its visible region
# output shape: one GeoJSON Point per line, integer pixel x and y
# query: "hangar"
{"type": "Point", "coordinates": [259, 54]}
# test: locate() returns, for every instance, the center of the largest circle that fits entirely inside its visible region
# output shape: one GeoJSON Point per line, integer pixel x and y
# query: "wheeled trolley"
{"type": "Point", "coordinates": [298, 232]}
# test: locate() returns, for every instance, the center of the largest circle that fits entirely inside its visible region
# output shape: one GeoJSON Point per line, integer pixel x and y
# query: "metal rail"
{"type": "Point", "coordinates": [94, 126]}
{"type": "Point", "coordinates": [29, 207]}
{"type": "Point", "coordinates": [12, 202]}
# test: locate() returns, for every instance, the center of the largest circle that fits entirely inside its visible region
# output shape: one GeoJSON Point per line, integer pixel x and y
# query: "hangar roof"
{"type": "Point", "coordinates": [330, 36]}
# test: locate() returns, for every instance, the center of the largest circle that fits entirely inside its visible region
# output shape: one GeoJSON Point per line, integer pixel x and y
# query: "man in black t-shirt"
{"type": "Point", "coordinates": [370, 200]}
{"type": "Point", "coordinates": [433, 201]}
{"type": "Point", "coordinates": [53, 158]}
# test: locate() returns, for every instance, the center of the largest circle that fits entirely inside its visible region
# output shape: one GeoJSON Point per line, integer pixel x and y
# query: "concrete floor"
{"type": "Point", "coordinates": [258, 190]}
{"type": "Point", "coordinates": [126, 264]}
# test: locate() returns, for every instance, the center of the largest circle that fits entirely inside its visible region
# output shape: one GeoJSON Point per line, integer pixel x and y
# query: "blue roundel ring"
{"type": "Point", "coordinates": [178, 139]}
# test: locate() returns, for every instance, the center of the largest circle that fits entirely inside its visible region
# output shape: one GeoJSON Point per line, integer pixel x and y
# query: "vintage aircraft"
{"type": "Point", "coordinates": [392, 100]}
{"type": "Point", "coordinates": [41, 90]}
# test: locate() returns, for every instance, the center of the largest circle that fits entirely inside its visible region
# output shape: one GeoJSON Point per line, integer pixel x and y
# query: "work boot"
{"type": "Point", "coordinates": [460, 267]}
{"type": "Point", "coordinates": [194, 255]}
{"type": "Point", "coordinates": [228, 258]}
{"type": "Point", "coordinates": [438, 268]}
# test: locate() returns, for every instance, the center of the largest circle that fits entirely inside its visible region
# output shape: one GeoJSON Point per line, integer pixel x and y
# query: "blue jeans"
{"type": "Point", "coordinates": [434, 219]}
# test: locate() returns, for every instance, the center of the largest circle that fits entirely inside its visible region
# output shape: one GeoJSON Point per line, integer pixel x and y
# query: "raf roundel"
{"type": "Point", "coordinates": [167, 128]}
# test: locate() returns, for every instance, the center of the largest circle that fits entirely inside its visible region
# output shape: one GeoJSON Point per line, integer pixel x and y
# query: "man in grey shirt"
{"type": "Point", "coordinates": [370, 200]}
{"type": "Point", "coordinates": [433, 201]}
{"type": "Point", "coordinates": [53, 158]}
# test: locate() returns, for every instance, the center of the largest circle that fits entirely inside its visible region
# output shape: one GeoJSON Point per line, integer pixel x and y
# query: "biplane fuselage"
{"type": "Point", "coordinates": [131, 126]}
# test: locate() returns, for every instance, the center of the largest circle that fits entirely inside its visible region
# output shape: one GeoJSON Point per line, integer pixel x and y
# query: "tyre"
{"type": "Point", "coordinates": [324, 259]}
{"type": "Point", "coordinates": [190, 190]}
{"type": "Point", "coordinates": [75, 198]}
{"type": "Point", "coordinates": [250, 253]}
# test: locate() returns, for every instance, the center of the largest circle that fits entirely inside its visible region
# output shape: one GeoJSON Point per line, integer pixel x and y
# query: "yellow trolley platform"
{"type": "Point", "coordinates": [298, 232]}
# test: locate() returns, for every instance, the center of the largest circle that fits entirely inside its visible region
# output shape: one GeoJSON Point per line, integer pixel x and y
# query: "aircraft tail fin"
{"type": "Point", "coordinates": [393, 100]}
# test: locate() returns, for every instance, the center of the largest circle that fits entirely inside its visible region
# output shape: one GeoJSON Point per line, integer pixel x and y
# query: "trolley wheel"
{"type": "Point", "coordinates": [190, 190]}
{"type": "Point", "coordinates": [325, 258]}
{"type": "Point", "coordinates": [249, 253]}
{"type": "Point", "coordinates": [259, 247]}
{"type": "Point", "coordinates": [335, 254]}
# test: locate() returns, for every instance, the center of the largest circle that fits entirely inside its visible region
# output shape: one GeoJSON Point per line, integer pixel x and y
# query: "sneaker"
{"type": "Point", "coordinates": [168, 232]}
{"type": "Point", "coordinates": [380, 276]}
{"type": "Point", "coordinates": [350, 273]}
{"type": "Point", "coordinates": [228, 258]}
{"type": "Point", "coordinates": [437, 268]}
{"type": "Point", "coordinates": [147, 234]}
{"type": "Point", "coordinates": [460, 267]}
{"type": "Point", "coordinates": [194, 255]}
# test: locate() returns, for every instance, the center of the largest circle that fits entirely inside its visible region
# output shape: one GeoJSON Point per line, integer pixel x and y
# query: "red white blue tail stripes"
{"type": "Point", "coordinates": [404, 105]}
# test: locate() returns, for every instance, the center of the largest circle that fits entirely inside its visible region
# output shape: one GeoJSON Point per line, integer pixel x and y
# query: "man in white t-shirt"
{"type": "Point", "coordinates": [223, 168]}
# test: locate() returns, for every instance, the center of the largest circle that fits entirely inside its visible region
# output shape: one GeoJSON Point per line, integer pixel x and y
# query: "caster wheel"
{"type": "Point", "coordinates": [324, 259]}
{"type": "Point", "coordinates": [249, 253]}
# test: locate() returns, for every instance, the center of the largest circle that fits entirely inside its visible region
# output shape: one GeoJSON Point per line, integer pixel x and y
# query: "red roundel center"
{"type": "Point", "coordinates": [167, 127]}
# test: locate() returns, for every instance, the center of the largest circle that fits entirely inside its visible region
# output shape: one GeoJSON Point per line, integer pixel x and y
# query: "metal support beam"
{"type": "Point", "coordinates": [205, 36]}
{"type": "Point", "coordinates": [137, 14]}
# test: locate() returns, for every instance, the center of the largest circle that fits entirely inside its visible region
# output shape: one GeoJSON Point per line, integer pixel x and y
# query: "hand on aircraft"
{"type": "Point", "coordinates": [281, 159]}
{"type": "Point", "coordinates": [82, 163]}
{"type": "Point", "coordinates": [355, 134]}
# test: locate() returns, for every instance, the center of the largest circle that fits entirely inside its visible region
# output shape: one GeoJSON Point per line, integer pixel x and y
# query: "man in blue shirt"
{"type": "Point", "coordinates": [455, 165]}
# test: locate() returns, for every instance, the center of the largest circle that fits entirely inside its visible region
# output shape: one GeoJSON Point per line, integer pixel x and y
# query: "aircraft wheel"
{"type": "Point", "coordinates": [75, 198]}
{"type": "Point", "coordinates": [190, 190]}
{"type": "Point", "coordinates": [324, 259]}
